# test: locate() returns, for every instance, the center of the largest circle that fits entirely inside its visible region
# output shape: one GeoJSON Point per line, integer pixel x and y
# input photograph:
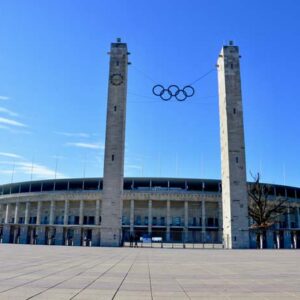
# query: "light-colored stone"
{"type": "Point", "coordinates": [234, 184]}
{"type": "Point", "coordinates": [111, 226]}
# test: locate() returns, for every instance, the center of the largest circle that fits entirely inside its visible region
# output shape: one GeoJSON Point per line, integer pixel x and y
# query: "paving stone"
{"type": "Point", "coordinates": [41, 272]}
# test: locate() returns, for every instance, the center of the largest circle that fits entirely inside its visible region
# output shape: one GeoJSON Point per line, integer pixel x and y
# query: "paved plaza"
{"type": "Point", "coordinates": [59, 272]}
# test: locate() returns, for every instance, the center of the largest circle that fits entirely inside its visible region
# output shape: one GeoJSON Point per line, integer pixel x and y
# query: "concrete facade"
{"type": "Point", "coordinates": [111, 229]}
{"type": "Point", "coordinates": [234, 185]}
{"type": "Point", "coordinates": [185, 211]}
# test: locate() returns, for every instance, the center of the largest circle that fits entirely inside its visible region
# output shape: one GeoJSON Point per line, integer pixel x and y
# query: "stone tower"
{"type": "Point", "coordinates": [111, 223]}
{"type": "Point", "coordinates": [234, 184]}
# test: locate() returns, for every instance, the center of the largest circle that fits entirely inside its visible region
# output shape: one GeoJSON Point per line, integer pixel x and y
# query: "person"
{"type": "Point", "coordinates": [131, 240]}
{"type": "Point", "coordinates": [136, 238]}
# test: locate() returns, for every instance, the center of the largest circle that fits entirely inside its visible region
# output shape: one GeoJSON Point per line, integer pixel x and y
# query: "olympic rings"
{"type": "Point", "coordinates": [173, 91]}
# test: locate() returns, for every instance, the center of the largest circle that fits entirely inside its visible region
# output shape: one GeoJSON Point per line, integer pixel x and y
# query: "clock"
{"type": "Point", "coordinates": [116, 79]}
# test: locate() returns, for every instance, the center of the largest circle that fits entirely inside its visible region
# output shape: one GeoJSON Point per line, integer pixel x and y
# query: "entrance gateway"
{"type": "Point", "coordinates": [234, 185]}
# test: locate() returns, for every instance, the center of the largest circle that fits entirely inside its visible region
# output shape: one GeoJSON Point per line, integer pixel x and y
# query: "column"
{"type": "Point", "coordinates": [220, 219]}
{"type": "Point", "coordinates": [38, 213]}
{"type": "Point", "coordinates": [59, 236]}
{"type": "Point", "coordinates": [27, 210]}
{"type": "Point", "coordinates": [150, 217]}
{"type": "Point", "coordinates": [97, 213]}
{"type": "Point", "coordinates": [186, 221]}
{"type": "Point", "coordinates": [168, 237]}
{"type": "Point", "coordinates": [81, 205]}
{"type": "Point", "coordinates": [77, 236]}
{"type": "Point", "coordinates": [7, 211]}
{"type": "Point", "coordinates": [270, 239]}
{"type": "Point", "coordinates": [52, 211]}
{"type": "Point", "coordinates": [66, 214]}
{"type": "Point", "coordinates": [295, 239]}
{"type": "Point", "coordinates": [233, 158]}
{"type": "Point", "coordinates": [6, 227]}
{"type": "Point", "coordinates": [203, 218]}
{"type": "Point", "coordinates": [297, 212]}
{"type": "Point", "coordinates": [278, 240]}
{"type": "Point", "coordinates": [287, 232]}
{"type": "Point", "coordinates": [131, 216]}
{"type": "Point", "coordinates": [41, 238]}
{"type": "Point", "coordinates": [95, 237]}
{"type": "Point", "coordinates": [113, 174]}
{"type": "Point", "coordinates": [16, 213]}
{"type": "Point", "coordinates": [24, 239]}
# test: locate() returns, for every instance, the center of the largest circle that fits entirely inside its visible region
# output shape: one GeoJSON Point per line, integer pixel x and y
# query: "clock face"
{"type": "Point", "coordinates": [116, 79]}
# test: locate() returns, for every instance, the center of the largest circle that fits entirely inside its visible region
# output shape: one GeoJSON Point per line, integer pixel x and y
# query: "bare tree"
{"type": "Point", "coordinates": [264, 211]}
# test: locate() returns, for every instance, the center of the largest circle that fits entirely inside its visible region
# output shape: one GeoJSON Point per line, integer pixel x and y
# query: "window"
{"type": "Point", "coordinates": [237, 160]}
{"type": "Point", "coordinates": [216, 222]}
{"type": "Point", "coordinates": [154, 221]}
{"type": "Point", "coordinates": [85, 220]}
{"type": "Point", "coordinates": [113, 157]}
{"type": "Point", "coordinates": [117, 63]}
{"type": "Point", "coordinates": [138, 220]}
{"type": "Point", "coordinates": [76, 220]}
{"type": "Point", "coordinates": [194, 221]}
{"type": "Point", "coordinates": [146, 220]}
{"type": "Point", "coordinates": [234, 111]}
{"type": "Point", "coordinates": [115, 108]}
{"type": "Point", "coordinates": [176, 221]}
{"type": "Point", "coordinates": [45, 221]}
{"type": "Point", "coordinates": [162, 221]}
{"type": "Point", "coordinates": [231, 66]}
{"type": "Point", "coordinates": [210, 222]}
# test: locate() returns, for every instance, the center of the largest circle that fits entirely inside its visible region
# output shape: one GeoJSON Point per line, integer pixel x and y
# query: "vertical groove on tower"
{"type": "Point", "coordinates": [111, 223]}
{"type": "Point", "coordinates": [234, 184]}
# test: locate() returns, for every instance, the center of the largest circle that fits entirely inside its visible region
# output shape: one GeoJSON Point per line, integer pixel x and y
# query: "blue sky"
{"type": "Point", "coordinates": [53, 86]}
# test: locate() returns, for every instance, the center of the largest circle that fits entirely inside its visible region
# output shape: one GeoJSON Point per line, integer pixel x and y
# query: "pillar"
{"type": "Point", "coordinates": [6, 233]}
{"type": "Point", "coordinates": [131, 216]}
{"type": "Point", "coordinates": [38, 213]}
{"type": "Point", "coordinates": [77, 237]}
{"type": "Point", "coordinates": [41, 238]}
{"type": "Point", "coordinates": [220, 219]}
{"type": "Point", "coordinates": [16, 213]}
{"type": "Point", "coordinates": [95, 237]}
{"type": "Point", "coordinates": [66, 214]}
{"type": "Point", "coordinates": [24, 239]}
{"type": "Point", "coordinates": [203, 219]}
{"type": "Point", "coordinates": [52, 212]}
{"type": "Point", "coordinates": [287, 239]}
{"type": "Point", "coordinates": [27, 211]}
{"type": "Point", "coordinates": [287, 232]}
{"type": "Point", "coordinates": [150, 217]}
{"type": "Point", "coordinates": [234, 184]}
{"type": "Point", "coordinates": [270, 239]}
{"type": "Point", "coordinates": [112, 194]}
{"type": "Point", "coordinates": [6, 227]}
{"type": "Point", "coordinates": [277, 240]}
{"type": "Point", "coordinates": [81, 206]}
{"type": "Point", "coordinates": [97, 213]}
{"type": "Point", "coordinates": [168, 236]}
{"type": "Point", "coordinates": [298, 217]}
{"type": "Point", "coordinates": [186, 221]}
{"type": "Point", "coordinates": [59, 236]}
{"type": "Point", "coordinates": [7, 212]}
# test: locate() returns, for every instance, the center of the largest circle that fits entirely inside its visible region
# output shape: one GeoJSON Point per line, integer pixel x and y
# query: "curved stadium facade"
{"type": "Point", "coordinates": [68, 212]}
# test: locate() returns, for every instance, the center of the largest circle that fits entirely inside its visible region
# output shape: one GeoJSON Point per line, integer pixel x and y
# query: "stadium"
{"type": "Point", "coordinates": [182, 211]}
{"type": "Point", "coordinates": [110, 211]}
